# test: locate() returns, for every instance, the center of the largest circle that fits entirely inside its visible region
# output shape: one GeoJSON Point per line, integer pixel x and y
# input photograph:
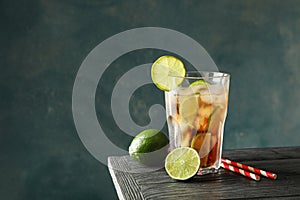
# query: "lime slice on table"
{"type": "Point", "coordinates": [163, 71]}
{"type": "Point", "coordinates": [182, 163]}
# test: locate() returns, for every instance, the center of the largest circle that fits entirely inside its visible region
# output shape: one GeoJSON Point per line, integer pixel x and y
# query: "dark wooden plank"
{"type": "Point", "coordinates": [125, 183]}
{"type": "Point", "coordinates": [224, 185]}
{"type": "Point", "coordinates": [253, 154]}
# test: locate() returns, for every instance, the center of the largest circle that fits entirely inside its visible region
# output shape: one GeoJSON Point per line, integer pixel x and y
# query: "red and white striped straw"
{"type": "Point", "coordinates": [251, 169]}
{"type": "Point", "coordinates": [240, 171]}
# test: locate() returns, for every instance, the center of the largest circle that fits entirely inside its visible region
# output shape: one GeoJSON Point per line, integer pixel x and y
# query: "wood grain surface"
{"type": "Point", "coordinates": [135, 181]}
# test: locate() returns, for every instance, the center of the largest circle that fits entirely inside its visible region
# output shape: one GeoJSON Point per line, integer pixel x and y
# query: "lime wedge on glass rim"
{"type": "Point", "coordinates": [163, 71]}
{"type": "Point", "coordinates": [182, 163]}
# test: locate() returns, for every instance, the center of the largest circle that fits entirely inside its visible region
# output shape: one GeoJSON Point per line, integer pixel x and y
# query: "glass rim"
{"type": "Point", "coordinates": [208, 74]}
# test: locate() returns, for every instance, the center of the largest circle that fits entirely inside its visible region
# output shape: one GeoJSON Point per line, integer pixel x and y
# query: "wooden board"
{"type": "Point", "coordinates": [285, 162]}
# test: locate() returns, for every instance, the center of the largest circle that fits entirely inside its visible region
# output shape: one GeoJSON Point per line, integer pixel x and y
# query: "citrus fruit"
{"type": "Point", "coordinates": [167, 72]}
{"type": "Point", "coordinates": [149, 147]}
{"type": "Point", "coordinates": [201, 143]}
{"type": "Point", "coordinates": [199, 83]}
{"type": "Point", "coordinates": [188, 108]}
{"type": "Point", "coordinates": [182, 163]}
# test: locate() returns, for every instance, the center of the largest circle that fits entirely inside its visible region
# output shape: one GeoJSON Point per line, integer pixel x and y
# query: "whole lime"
{"type": "Point", "coordinates": [149, 147]}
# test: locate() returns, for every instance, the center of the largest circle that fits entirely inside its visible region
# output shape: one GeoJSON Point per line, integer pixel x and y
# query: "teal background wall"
{"type": "Point", "coordinates": [43, 43]}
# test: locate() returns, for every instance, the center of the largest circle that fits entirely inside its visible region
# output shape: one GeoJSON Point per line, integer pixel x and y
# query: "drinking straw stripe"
{"type": "Point", "coordinates": [240, 171]}
{"type": "Point", "coordinates": [249, 168]}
